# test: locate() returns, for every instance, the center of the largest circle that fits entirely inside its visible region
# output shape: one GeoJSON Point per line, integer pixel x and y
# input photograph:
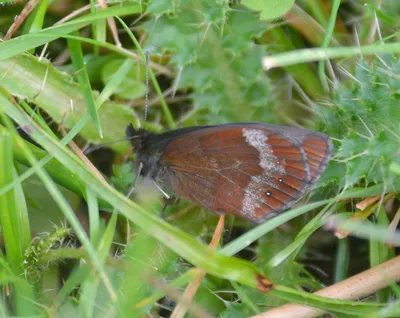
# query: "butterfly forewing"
{"type": "Point", "coordinates": [251, 170]}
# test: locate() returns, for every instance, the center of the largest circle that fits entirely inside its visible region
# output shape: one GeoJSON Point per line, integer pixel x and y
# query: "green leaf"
{"type": "Point", "coordinates": [241, 26]}
{"type": "Point", "coordinates": [178, 34]}
{"type": "Point", "coordinates": [270, 9]}
{"type": "Point", "coordinates": [133, 86]}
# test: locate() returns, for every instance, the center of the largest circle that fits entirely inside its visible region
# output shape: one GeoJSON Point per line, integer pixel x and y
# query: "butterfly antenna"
{"type": "Point", "coordinates": [146, 98]}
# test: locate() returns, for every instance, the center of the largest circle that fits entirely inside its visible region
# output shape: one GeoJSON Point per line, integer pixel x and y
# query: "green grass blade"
{"type": "Point", "coordinates": [364, 230]}
{"type": "Point", "coordinates": [8, 205]}
{"type": "Point", "coordinates": [313, 55]}
{"type": "Point", "coordinates": [342, 260]}
{"type": "Point", "coordinates": [30, 41]}
{"type": "Point", "coordinates": [84, 82]}
{"type": "Point", "coordinates": [69, 214]}
{"type": "Point", "coordinates": [94, 217]}
{"type": "Point", "coordinates": [251, 236]}
{"type": "Point", "coordinates": [324, 303]}
{"type": "Point", "coordinates": [90, 285]}
{"type": "Point", "coordinates": [40, 13]}
{"type": "Point", "coordinates": [325, 43]}
{"type": "Point", "coordinates": [293, 249]}
{"type": "Point", "coordinates": [13, 218]}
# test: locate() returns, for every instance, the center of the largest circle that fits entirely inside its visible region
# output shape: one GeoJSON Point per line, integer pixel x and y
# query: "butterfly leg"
{"type": "Point", "coordinates": [171, 201]}
{"type": "Point", "coordinates": [139, 170]}
{"type": "Point", "coordinates": [163, 211]}
{"type": "Point", "coordinates": [161, 190]}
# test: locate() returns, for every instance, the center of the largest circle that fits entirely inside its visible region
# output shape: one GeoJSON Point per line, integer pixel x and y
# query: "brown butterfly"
{"type": "Point", "coordinates": [252, 170]}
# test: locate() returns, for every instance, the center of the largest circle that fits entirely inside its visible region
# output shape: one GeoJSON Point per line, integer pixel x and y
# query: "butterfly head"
{"type": "Point", "coordinates": [137, 137]}
{"type": "Point", "coordinates": [145, 154]}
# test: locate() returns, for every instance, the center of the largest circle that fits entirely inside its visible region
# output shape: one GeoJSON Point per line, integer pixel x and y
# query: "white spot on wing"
{"type": "Point", "coordinates": [251, 202]}
{"type": "Point", "coordinates": [258, 140]}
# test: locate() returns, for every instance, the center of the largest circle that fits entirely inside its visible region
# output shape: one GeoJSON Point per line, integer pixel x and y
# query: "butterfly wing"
{"type": "Point", "coordinates": [251, 170]}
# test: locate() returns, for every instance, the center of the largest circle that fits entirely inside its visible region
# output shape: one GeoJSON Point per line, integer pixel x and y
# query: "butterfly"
{"type": "Point", "coordinates": [252, 170]}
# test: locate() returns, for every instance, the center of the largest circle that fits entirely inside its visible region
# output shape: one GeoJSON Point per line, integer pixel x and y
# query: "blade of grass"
{"type": "Point", "coordinates": [61, 175]}
{"type": "Point", "coordinates": [293, 249]}
{"type": "Point", "coordinates": [325, 43]}
{"type": "Point", "coordinates": [23, 299]}
{"type": "Point", "coordinates": [40, 13]}
{"type": "Point", "coordinates": [94, 218]}
{"type": "Point", "coordinates": [13, 221]}
{"type": "Point", "coordinates": [303, 74]}
{"type": "Point", "coordinates": [379, 252]}
{"type": "Point", "coordinates": [146, 257]}
{"type": "Point", "coordinates": [245, 298]}
{"type": "Point", "coordinates": [251, 236]}
{"type": "Point", "coordinates": [324, 303]}
{"type": "Point", "coordinates": [97, 28]}
{"type": "Point", "coordinates": [84, 82]}
{"type": "Point", "coordinates": [90, 285]}
{"type": "Point", "coordinates": [30, 41]}
{"type": "Point", "coordinates": [364, 230]}
{"type": "Point", "coordinates": [70, 215]}
{"type": "Point", "coordinates": [342, 260]}
{"type": "Point", "coordinates": [13, 214]}
{"type": "Point", "coordinates": [318, 54]}
{"type": "Point", "coordinates": [37, 117]}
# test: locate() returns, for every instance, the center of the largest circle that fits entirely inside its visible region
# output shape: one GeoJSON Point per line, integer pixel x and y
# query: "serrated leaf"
{"type": "Point", "coordinates": [270, 9]}
{"type": "Point", "coordinates": [365, 119]}
{"type": "Point", "coordinates": [241, 26]}
{"type": "Point", "coordinates": [334, 173]}
{"type": "Point", "coordinates": [179, 34]}
{"type": "Point", "coordinates": [212, 11]}
{"type": "Point", "coordinates": [358, 168]}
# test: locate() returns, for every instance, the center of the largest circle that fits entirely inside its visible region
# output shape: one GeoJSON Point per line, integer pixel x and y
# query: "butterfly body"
{"type": "Point", "coordinates": [252, 170]}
